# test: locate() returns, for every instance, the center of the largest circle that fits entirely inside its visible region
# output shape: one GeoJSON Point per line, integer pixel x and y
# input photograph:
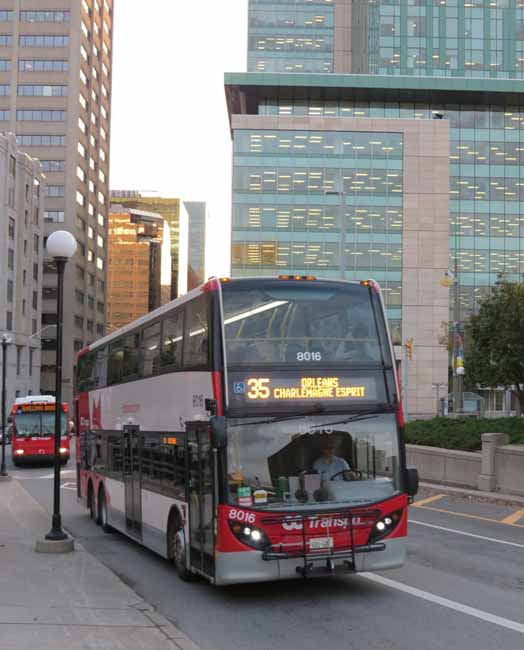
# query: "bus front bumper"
{"type": "Point", "coordinates": [250, 566]}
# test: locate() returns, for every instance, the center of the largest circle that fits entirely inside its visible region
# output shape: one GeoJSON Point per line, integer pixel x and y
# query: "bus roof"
{"type": "Point", "coordinates": [38, 399]}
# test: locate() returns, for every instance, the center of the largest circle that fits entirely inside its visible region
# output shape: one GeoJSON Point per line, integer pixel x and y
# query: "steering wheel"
{"type": "Point", "coordinates": [348, 475]}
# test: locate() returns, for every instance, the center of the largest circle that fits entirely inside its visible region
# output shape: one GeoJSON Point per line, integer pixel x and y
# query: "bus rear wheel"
{"type": "Point", "coordinates": [178, 553]}
{"type": "Point", "coordinates": [102, 512]}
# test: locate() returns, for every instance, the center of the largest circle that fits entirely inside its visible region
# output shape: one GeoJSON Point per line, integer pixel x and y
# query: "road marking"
{"type": "Point", "coordinates": [466, 516]}
{"type": "Point", "coordinates": [423, 502]}
{"type": "Point", "coordinates": [68, 486]}
{"type": "Point", "coordinates": [462, 532]}
{"type": "Point", "coordinates": [445, 602]}
{"type": "Point", "coordinates": [513, 518]}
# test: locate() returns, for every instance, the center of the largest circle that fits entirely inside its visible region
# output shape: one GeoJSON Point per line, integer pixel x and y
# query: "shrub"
{"type": "Point", "coordinates": [463, 434]}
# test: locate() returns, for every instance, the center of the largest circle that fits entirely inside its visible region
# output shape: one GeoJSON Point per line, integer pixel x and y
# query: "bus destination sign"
{"type": "Point", "coordinates": [278, 388]}
{"type": "Point", "coordinates": [36, 407]}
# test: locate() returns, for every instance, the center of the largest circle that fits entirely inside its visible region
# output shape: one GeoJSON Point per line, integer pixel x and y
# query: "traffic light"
{"type": "Point", "coordinates": [409, 348]}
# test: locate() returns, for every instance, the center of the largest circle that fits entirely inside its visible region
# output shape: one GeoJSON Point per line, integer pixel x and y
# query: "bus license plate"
{"type": "Point", "coordinates": [321, 543]}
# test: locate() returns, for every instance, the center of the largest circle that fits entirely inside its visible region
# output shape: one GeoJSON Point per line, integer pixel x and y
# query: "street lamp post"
{"type": "Point", "coordinates": [5, 342]}
{"type": "Point", "coordinates": [61, 246]}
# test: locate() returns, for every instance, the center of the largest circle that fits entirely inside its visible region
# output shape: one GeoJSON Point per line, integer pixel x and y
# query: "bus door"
{"type": "Point", "coordinates": [200, 497]}
{"type": "Point", "coordinates": [132, 486]}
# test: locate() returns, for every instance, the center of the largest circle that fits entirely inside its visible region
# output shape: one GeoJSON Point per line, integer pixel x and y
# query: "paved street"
{"type": "Point", "coordinates": [463, 585]}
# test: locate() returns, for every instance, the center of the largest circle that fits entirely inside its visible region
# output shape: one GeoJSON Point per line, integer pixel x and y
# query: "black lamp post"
{"type": "Point", "coordinates": [61, 246]}
{"type": "Point", "coordinates": [5, 342]}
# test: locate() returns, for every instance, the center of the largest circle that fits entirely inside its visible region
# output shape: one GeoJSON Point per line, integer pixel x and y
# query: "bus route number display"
{"type": "Point", "coordinates": [35, 407]}
{"type": "Point", "coordinates": [258, 389]}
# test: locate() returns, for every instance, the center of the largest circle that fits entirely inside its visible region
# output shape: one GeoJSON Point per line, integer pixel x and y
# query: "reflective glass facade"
{"type": "Point", "coordinates": [320, 202]}
{"type": "Point", "coordinates": [460, 38]}
{"type": "Point", "coordinates": [291, 36]}
{"type": "Point", "coordinates": [486, 184]}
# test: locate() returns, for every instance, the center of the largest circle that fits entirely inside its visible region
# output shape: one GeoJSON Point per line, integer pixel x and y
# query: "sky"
{"type": "Point", "coordinates": [169, 130]}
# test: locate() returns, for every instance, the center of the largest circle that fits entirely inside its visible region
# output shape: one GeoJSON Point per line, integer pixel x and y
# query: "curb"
{"type": "Point", "coordinates": [494, 497]}
{"type": "Point", "coordinates": [178, 640]}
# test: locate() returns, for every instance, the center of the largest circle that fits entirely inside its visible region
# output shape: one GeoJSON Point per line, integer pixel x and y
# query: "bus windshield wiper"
{"type": "Point", "coordinates": [318, 408]}
{"type": "Point", "coordinates": [354, 418]}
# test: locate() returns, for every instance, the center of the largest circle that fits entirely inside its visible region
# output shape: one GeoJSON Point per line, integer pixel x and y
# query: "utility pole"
{"type": "Point", "coordinates": [458, 361]}
{"type": "Point", "coordinates": [408, 355]}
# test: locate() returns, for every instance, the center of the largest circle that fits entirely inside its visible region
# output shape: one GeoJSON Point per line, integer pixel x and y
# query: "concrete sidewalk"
{"type": "Point", "coordinates": [67, 602]}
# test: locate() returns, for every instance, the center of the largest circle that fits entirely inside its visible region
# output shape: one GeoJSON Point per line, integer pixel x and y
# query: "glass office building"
{"type": "Point", "coordinates": [322, 203]}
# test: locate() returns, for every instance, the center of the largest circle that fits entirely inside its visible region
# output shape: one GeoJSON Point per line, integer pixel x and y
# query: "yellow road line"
{"type": "Point", "coordinates": [513, 518]}
{"type": "Point", "coordinates": [466, 516]}
{"type": "Point", "coordinates": [423, 502]}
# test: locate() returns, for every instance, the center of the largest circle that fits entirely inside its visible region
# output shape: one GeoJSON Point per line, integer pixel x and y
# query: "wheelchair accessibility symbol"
{"type": "Point", "coordinates": [239, 387]}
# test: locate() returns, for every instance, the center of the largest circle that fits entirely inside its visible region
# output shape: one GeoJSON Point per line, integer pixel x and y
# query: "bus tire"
{"type": "Point", "coordinates": [177, 549]}
{"type": "Point", "coordinates": [91, 505]}
{"type": "Point", "coordinates": [102, 512]}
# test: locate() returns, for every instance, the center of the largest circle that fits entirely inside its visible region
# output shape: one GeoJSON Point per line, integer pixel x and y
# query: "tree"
{"type": "Point", "coordinates": [495, 336]}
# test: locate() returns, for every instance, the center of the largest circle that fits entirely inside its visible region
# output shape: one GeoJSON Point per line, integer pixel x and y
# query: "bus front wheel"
{"type": "Point", "coordinates": [178, 552]}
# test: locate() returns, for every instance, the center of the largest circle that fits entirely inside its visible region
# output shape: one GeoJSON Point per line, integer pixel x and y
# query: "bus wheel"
{"type": "Point", "coordinates": [102, 512]}
{"type": "Point", "coordinates": [178, 552]}
{"type": "Point", "coordinates": [91, 502]}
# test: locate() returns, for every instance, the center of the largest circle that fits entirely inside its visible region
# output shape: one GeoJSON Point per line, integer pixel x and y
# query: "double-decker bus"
{"type": "Point", "coordinates": [33, 430]}
{"type": "Point", "coordinates": [250, 430]}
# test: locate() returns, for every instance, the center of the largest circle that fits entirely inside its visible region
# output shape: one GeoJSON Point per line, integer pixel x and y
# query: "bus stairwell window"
{"type": "Point", "coordinates": [151, 351]}
{"type": "Point", "coordinates": [196, 346]}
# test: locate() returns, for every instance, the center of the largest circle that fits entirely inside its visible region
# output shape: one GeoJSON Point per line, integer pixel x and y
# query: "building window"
{"type": "Point", "coordinates": [55, 191]}
{"type": "Point", "coordinates": [100, 307]}
{"type": "Point", "coordinates": [81, 149]}
{"type": "Point", "coordinates": [25, 247]}
{"type": "Point", "coordinates": [31, 361]}
{"type": "Point", "coordinates": [54, 216]}
{"type": "Point", "coordinates": [23, 307]}
{"type": "Point", "coordinates": [101, 219]}
{"type": "Point", "coordinates": [90, 326]}
{"type": "Point", "coordinates": [6, 16]}
{"type": "Point", "coordinates": [83, 77]}
{"type": "Point", "coordinates": [90, 302]}
{"type": "Point", "coordinates": [91, 280]}
{"type": "Point", "coordinates": [80, 273]}
{"type": "Point", "coordinates": [78, 345]}
{"type": "Point", "coordinates": [34, 326]}
{"type": "Point", "coordinates": [42, 65]}
{"type": "Point", "coordinates": [11, 228]}
{"type": "Point", "coordinates": [101, 285]}
{"type": "Point", "coordinates": [35, 299]}
{"type": "Point", "coordinates": [5, 40]}
{"type": "Point", "coordinates": [35, 272]}
{"type": "Point", "coordinates": [11, 259]}
{"type": "Point", "coordinates": [100, 241]}
{"type": "Point", "coordinates": [41, 140]}
{"type": "Point", "coordinates": [43, 41]}
{"type": "Point", "coordinates": [49, 293]}
{"type": "Point", "coordinates": [99, 263]}
{"type": "Point", "coordinates": [79, 297]}
{"type": "Point", "coordinates": [36, 243]}
{"type": "Point", "coordinates": [82, 125]}
{"type": "Point", "coordinates": [41, 91]}
{"type": "Point", "coordinates": [90, 232]}
{"type": "Point", "coordinates": [90, 256]}
{"type": "Point", "coordinates": [84, 29]}
{"type": "Point", "coordinates": [10, 291]}
{"type": "Point", "coordinates": [82, 100]}
{"type": "Point", "coordinates": [101, 198]}
{"type": "Point", "coordinates": [80, 199]}
{"type": "Point", "coordinates": [53, 165]}
{"type": "Point", "coordinates": [81, 248]}
{"type": "Point", "coordinates": [79, 322]}
{"type": "Point", "coordinates": [100, 329]}
{"type": "Point", "coordinates": [44, 16]}
{"type": "Point", "coordinates": [81, 224]}
{"type": "Point", "coordinates": [5, 115]}
{"type": "Point", "coordinates": [9, 320]}
{"type": "Point", "coordinates": [18, 359]}
{"type": "Point", "coordinates": [40, 116]}
{"type": "Point", "coordinates": [5, 65]}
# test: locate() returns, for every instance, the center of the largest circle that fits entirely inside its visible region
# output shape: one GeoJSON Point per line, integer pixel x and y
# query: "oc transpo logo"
{"type": "Point", "coordinates": [321, 523]}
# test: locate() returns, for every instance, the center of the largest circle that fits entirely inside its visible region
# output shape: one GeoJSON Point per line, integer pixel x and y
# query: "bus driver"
{"type": "Point", "coordinates": [329, 466]}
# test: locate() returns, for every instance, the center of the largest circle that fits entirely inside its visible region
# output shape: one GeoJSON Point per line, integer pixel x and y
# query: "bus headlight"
{"type": "Point", "coordinates": [385, 526]}
{"type": "Point", "coordinates": [249, 535]}
{"type": "Point", "coordinates": [63, 450]}
{"type": "Point", "coordinates": [19, 452]}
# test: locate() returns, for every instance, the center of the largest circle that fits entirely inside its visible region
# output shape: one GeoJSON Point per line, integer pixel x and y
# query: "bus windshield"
{"type": "Point", "coordinates": [38, 424]}
{"type": "Point", "coordinates": [297, 322]}
{"type": "Point", "coordinates": [313, 460]}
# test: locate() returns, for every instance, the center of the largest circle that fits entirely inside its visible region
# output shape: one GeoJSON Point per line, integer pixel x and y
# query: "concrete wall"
{"type": "Point", "coordinates": [460, 468]}
{"type": "Point", "coordinates": [497, 468]}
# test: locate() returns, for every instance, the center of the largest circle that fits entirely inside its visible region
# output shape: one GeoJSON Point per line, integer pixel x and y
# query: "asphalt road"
{"type": "Point", "coordinates": [462, 587]}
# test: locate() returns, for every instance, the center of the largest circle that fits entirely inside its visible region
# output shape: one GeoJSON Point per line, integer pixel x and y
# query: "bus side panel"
{"type": "Point", "coordinates": [116, 503]}
{"type": "Point", "coordinates": [155, 516]}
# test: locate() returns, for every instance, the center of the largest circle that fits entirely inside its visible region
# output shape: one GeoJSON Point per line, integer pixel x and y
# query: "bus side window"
{"type": "Point", "coordinates": [172, 340]}
{"type": "Point", "coordinates": [86, 372]}
{"type": "Point", "coordinates": [196, 335]}
{"type": "Point", "coordinates": [150, 351]}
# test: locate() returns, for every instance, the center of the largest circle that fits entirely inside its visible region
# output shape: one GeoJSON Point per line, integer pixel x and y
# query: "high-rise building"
{"type": "Point", "coordinates": [22, 201]}
{"type": "Point", "coordinates": [55, 94]}
{"type": "Point", "coordinates": [382, 64]}
{"type": "Point", "coordinates": [197, 217]}
{"type": "Point", "coordinates": [169, 208]}
{"type": "Point", "coordinates": [135, 260]}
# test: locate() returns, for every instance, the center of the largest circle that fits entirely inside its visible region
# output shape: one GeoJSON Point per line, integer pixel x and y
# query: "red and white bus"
{"type": "Point", "coordinates": [33, 430]}
{"type": "Point", "coordinates": [250, 430]}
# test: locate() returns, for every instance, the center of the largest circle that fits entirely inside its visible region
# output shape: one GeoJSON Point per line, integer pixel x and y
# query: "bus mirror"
{"type": "Point", "coordinates": [218, 431]}
{"type": "Point", "coordinates": [411, 481]}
